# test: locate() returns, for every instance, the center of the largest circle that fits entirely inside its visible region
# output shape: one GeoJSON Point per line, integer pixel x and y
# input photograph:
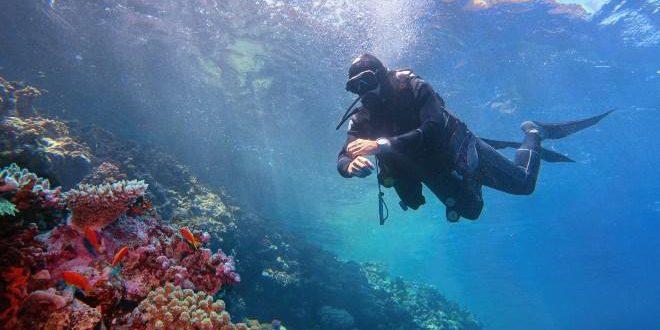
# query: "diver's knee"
{"type": "Point", "coordinates": [413, 202]}
{"type": "Point", "coordinates": [472, 213]}
{"type": "Point", "coordinates": [523, 189]}
{"type": "Point", "coordinates": [527, 189]}
{"type": "Point", "coordinates": [472, 210]}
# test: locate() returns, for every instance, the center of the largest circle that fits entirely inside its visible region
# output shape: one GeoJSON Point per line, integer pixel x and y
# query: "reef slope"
{"type": "Point", "coordinates": [282, 276]}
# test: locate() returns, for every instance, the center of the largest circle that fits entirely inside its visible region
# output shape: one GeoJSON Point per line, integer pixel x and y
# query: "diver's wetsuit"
{"type": "Point", "coordinates": [430, 145]}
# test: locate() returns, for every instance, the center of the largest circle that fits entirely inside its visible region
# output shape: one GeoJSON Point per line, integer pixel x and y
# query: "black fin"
{"type": "Point", "coordinates": [547, 155]}
{"type": "Point", "coordinates": [551, 156]}
{"type": "Point", "coordinates": [560, 130]}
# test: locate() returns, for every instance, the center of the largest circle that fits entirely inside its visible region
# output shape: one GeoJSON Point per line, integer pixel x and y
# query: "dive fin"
{"type": "Point", "coordinates": [560, 130]}
{"type": "Point", "coordinates": [547, 155]}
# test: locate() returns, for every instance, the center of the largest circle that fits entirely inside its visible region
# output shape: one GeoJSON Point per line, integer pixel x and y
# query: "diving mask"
{"type": "Point", "coordinates": [363, 82]}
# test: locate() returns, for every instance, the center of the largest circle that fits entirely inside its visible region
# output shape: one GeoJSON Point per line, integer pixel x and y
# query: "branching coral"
{"type": "Point", "coordinates": [7, 208]}
{"type": "Point", "coordinates": [157, 255]}
{"type": "Point", "coordinates": [172, 307]}
{"type": "Point", "coordinates": [97, 206]}
{"type": "Point", "coordinates": [168, 257]}
{"type": "Point", "coordinates": [26, 198]}
{"type": "Point", "coordinates": [27, 190]}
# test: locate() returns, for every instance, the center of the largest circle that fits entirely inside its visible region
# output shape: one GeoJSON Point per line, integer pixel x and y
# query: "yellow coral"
{"type": "Point", "coordinates": [172, 307]}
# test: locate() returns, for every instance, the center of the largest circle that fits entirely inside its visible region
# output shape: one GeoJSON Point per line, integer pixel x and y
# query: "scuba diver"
{"type": "Point", "coordinates": [403, 122]}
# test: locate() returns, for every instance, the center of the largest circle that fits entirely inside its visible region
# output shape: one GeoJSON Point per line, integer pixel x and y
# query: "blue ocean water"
{"type": "Point", "coordinates": [248, 93]}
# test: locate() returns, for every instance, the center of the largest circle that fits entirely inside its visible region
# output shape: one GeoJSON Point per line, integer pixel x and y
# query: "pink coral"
{"type": "Point", "coordinates": [97, 206]}
{"type": "Point", "coordinates": [157, 255]}
{"type": "Point", "coordinates": [170, 259]}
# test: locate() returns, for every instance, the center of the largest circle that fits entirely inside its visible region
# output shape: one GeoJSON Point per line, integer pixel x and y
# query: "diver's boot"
{"type": "Point", "coordinates": [451, 214]}
{"type": "Point", "coordinates": [530, 127]}
{"type": "Point", "coordinates": [554, 131]}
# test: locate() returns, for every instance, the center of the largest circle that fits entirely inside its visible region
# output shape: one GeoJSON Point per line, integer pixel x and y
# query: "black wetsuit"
{"type": "Point", "coordinates": [430, 145]}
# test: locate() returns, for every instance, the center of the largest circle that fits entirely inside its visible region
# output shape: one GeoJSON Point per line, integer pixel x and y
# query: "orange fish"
{"type": "Point", "coordinates": [73, 278]}
{"type": "Point", "coordinates": [190, 238]}
{"type": "Point", "coordinates": [92, 237]}
{"type": "Point", "coordinates": [119, 256]}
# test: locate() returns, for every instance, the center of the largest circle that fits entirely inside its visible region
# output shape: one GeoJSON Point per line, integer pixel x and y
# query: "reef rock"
{"type": "Point", "coordinates": [333, 318]}
{"type": "Point", "coordinates": [16, 98]}
{"type": "Point", "coordinates": [46, 147]}
{"type": "Point", "coordinates": [57, 310]}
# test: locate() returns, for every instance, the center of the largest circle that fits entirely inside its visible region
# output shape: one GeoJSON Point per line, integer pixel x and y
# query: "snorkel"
{"type": "Point", "coordinates": [348, 113]}
{"type": "Point", "coordinates": [362, 84]}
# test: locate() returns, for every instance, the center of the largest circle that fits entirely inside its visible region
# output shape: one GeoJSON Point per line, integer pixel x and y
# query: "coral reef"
{"type": "Point", "coordinates": [97, 206]}
{"type": "Point", "coordinates": [52, 309]}
{"type": "Point", "coordinates": [333, 318]}
{"type": "Point", "coordinates": [14, 292]}
{"type": "Point", "coordinates": [175, 192]}
{"type": "Point", "coordinates": [28, 190]}
{"type": "Point", "coordinates": [172, 307]}
{"type": "Point", "coordinates": [430, 310]}
{"type": "Point", "coordinates": [106, 173]}
{"type": "Point", "coordinates": [282, 275]}
{"type": "Point", "coordinates": [32, 265]}
{"type": "Point", "coordinates": [16, 98]}
{"type": "Point", "coordinates": [45, 146]}
{"type": "Point", "coordinates": [27, 198]}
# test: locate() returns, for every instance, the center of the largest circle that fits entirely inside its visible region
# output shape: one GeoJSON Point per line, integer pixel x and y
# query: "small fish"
{"type": "Point", "coordinates": [190, 238]}
{"type": "Point", "coordinates": [119, 256]}
{"type": "Point", "coordinates": [92, 238]}
{"type": "Point", "coordinates": [77, 280]}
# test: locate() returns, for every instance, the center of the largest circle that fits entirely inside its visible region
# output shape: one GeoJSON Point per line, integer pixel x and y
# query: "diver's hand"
{"type": "Point", "coordinates": [362, 147]}
{"type": "Point", "coordinates": [360, 167]}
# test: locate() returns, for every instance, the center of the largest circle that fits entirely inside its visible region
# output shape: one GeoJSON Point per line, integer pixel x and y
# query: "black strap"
{"type": "Point", "coordinates": [383, 210]}
{"type": "Point", "coordinates": [348, 113]}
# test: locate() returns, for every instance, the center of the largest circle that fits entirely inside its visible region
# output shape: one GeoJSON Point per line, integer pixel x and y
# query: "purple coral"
{"type": "Point", "coordinates": [157, 256]}
{"type": "Point", "coordinates": [97, 206]}
{"type": "Point", "coordinates": [170, 259]}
